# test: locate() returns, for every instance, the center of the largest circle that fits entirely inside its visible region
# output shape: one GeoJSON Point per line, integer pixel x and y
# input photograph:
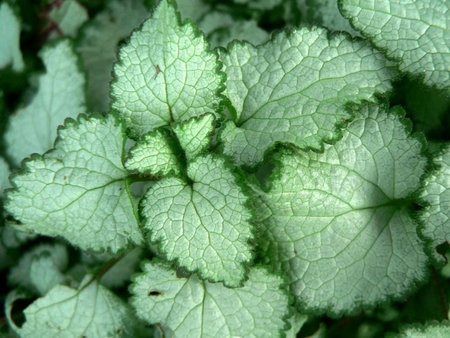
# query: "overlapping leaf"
{"type": "Point", "coordinates": [194, 135]}
{"type": "Point", "coordinates": [79, 189]}
{"type": "Point", "coordinates": [155, 154]}
{"type": "Point", "coordinates": [195, 308]}
{"type": "Point", "coordinates": [205, 224]}
{"type": "Point", "coordinates": [338, 223]}
{"type": "Point", "coordinates": [166, 73]}
{"type": "Point", "coordinates": [416, 33]}
{"type": "Point", "coordinates": [294, 89]}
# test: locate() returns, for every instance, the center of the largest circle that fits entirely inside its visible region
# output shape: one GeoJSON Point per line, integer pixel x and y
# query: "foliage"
{"type": "Point", "coordinates": [245, 168]}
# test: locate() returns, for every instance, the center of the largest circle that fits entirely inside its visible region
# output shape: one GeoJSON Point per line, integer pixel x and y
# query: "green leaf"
{"type": "Point", "coordinates": [28, 275]}
{"type": "Point", "coordinates": [60, 94]}
{"type": "Point", "coordinates": [416, 33]}
{"type": "Point", "coordinates": [193, 9]}
{"type": "Point", "coordinates": [432, 329]}
{"type": "Point", "coordinates": [91, 311]}
{"type": "Point", "coordinates": [79, 190]}
{"type": "Point", "coordinates": [195, 308]}
{"type": "Point", "coordinates": [294, 89]}
{"type": "Point", "coordinates": [326, 13]}
{"type": "Point", "coordinates": [155, 154]}
{"type": "Point", "coordinates": [204, 225]}
{"type": "Point", "coordinates": [98, 45]}
{"type": "Point", "coordinates": [194, 135]}
{"type": "Point", "coordinates": [4, 173]}
{"type": "Point", "coordinates": [296, 321]}
{"type": "Point", "coordinates": [166, 73]}
{"type": "Point", "coordinates": [338, 223]}
{"type": "Point", "coordinates": [222, 28]}
{"type": "Point", "coordinates": [260, 4]}
{"type": "Point", "coordinates": [10, 53]}
{"type": "Point", "coordinates": [68, 16]}
{"type": "Point", "coordinates": [121, 272]}
{"type": "Point", "coordinates": [436, 215]}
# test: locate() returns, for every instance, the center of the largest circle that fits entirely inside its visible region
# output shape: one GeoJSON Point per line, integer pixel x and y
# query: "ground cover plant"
{"type": "Point", "coordinates": [272, 168]}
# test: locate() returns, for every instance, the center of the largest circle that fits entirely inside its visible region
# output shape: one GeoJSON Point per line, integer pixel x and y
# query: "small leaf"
{"type": "Point", "coordinates": [166, 73]}
{"type": "Point", "coordinates": [194, 135]}
{"type": "Point", "coordinates": [195, 308]}
{"type": "Point", "coordinates": [338, 223]}
{"type": "Point", "coordinates": [60, 95]}
{"type": "Point", "coordinates": [294, 89]}
{"type": "Point", "coordinates": [155, 154]}
{"type": "Point", "coordinates": [436, 215]}
{"type": "Point", "coordinates": [91, 311]}
{"type": "Point", "coordinates": [68, 16]}
{"type": "Point", "coordinates": [79, 190]}
{"type": "Point", "coordinates": [416, 33]}
{"type": "Point", "coordinates": [24, 274]}
{"type": "Point", "coordinates": [205, 225]}
{"type": "Point", "coordinates": [10, 53]}
{"type": "Point", "coordinates": [44, 273]}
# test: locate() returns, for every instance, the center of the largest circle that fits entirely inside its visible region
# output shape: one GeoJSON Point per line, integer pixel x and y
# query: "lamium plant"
{"type": "Point", "coordinates": [246, 168]}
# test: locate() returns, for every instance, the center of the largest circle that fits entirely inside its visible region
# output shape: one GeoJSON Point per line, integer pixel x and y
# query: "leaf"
{"type": "Point", "coordinates": [326, 13]}
{"type": "Point", "coordinates": [60, 95]}
{"type": "Point", "coordinates": [193, 9]}
{"type": "Point", "coordinates": [338, 223]}
{"type": "Point", "coordinates": [415, 33]}
{"type": "Point", "coordinates": [79, 190]}
{"type": "Point", "coordinates": [121, 272]}
{"type": "Point", "coordinates": [27, 275]}
{"type": "Point", "coordinates": [431, 329]}
{"type": "Point", "coordinates": [10, 53]}
{"type": "Point", "coordinates": [91, 311]}
{"type": "Point", "coordinates": [98, 45]}
{"type": "Point", "coordinates": [166, 73]}
{"type": "Point", "coordinates": [155, 154]}
{"type": "Point", "coordinates": [294, 89]}
{"type": "Point", "coordinates": [194, 134]}
{"type": "Point", "coordinates": [4, 173]}
{"type": "Point", "coordinates": [195, 308]}
{"type": "Point", "coordinates": [260, 4]}
{"type": "Point", "coordinates": [221, 28]}
{"type": "Point", "coordinates": [204, 225]}
{"type": "Point", "coordinates": [436, 215]}
{"type": "Point", "coordinates": [68, 16]}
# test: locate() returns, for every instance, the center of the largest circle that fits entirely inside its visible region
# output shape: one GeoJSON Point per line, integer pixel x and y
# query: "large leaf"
{"type": "Point", "coordinates": [294, 89]}
{"type": "Point", "coordinates": [79, 189]}
{"type": "Point", "coordinates": [205, 224]}
{"type": "Point", "coordinates": [195, 308]}
{"type": "Point", "coordinates": [60, 94]}
{"type": "Point", "coordinates": [416, 33]}
{"type": "Point", "coordinates": [166, 73]}
{"type": "Point", "coordinates": [338, 223]}
{"type": "Point", "coordinates": [436, 215]}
